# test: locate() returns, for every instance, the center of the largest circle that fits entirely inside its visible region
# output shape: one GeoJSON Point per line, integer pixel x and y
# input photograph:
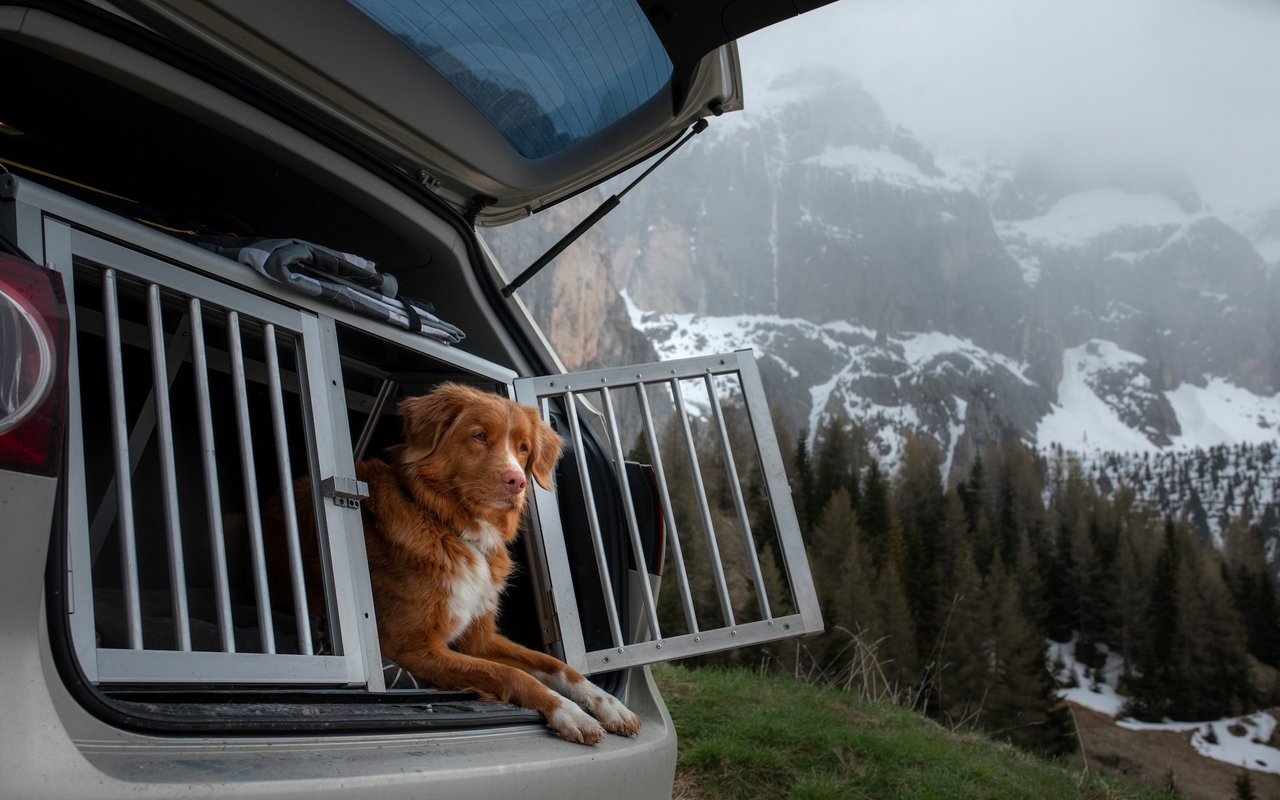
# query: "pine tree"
{"type": "Point", "coordinates": [802, 481]}
{"type": "Point", "coordinates": [959, 675]}
{"type": "Point", "coordinates": [1160, 686]}
{"type": "Point", "coordinates": [833, 456]}
{"type": "Point", "coordinates": [1216, 664]}
{"type": "Point", "coordinates": [854, 607]}
{"type": "Point", "coordinates": [894, 629]}
{"type": "Point", "coordinates": [921, 516]}
{"type": "Point", "coordinates": [875, 514]}
{"type": "Point", "coordinates": [1021, 703]}
{"type": "Point", "coordinates": [832, 540]}
{"type": "Point", "coordinates": [1244, 786]}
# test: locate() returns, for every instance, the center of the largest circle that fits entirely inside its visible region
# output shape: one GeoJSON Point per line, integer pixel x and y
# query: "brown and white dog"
{"type": "Point", "coordinates": [437, 522]}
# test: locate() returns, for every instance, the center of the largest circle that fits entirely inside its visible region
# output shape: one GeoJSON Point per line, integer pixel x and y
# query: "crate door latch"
{"type": "Point", "coordinates": [346, 492]}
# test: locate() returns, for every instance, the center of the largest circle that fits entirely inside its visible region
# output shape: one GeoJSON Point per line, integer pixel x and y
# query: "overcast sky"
{"type": "Point", "coordinates": [1194, 83]}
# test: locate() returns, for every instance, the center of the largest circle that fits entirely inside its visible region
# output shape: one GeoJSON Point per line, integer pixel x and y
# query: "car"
{"type": "Point", "coordinates": [233, 235]}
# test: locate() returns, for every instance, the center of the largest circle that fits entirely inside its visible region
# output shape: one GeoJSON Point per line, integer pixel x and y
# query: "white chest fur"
{"type": "Point", "coordinates": [473, 592]}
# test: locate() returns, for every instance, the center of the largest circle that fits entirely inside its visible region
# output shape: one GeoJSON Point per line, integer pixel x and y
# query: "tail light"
{"type": "Point", "coordinates": [33, 367]}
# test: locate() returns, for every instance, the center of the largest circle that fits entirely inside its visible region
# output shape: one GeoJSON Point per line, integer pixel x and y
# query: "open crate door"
{"type": "Point", "coordinates": [735, 569]}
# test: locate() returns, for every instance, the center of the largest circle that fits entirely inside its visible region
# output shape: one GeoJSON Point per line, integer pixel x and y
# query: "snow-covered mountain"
{"type": "Point", "coordinates": [976, 302]}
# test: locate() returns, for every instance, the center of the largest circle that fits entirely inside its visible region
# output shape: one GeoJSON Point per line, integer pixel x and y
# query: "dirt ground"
{"type": "Point", "coordinates": [1150, 755]}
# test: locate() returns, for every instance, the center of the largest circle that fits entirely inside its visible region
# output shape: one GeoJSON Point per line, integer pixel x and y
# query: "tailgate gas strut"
{"type": "Point", "coordinates": [597, 215]}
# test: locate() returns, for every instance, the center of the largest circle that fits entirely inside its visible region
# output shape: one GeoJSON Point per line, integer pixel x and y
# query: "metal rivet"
{"type": "Point", "coordinates": [551, 383]}
{"type": "Point", "coordinates": [733, 633]}
{"type": "Point", "coordinates": [770, 622]}
{"type": "Point", "coordinates": [606, 659]}
{"type": "Point", "coordinates": [604, 380]}
{"type": "Point", "coordinates": [621, 650]}
{"type": "Point", "coordinates": [786, 626]}
{"type": "Point", "coordinates": [697, 638]}
{"type": "Point", "coordinates": [658, 645]}
{"type": "Point", "coordinates": [673, 372]}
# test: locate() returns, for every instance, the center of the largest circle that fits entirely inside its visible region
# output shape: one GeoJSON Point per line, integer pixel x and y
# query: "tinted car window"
{"type": "Point", "coordinates": [546, 73]}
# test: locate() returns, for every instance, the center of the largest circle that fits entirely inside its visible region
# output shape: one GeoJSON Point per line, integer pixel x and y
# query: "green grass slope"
{"type": "Point", "coordinates": [749, 735]}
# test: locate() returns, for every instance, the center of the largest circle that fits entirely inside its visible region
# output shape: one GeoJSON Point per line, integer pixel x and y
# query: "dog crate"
{"type": "Point", "coordinates": [201, 393]}
{"type": "Point", "coordinates": [682, 416]}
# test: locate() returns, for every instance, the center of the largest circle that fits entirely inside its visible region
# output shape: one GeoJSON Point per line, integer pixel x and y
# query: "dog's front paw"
{"type": "Point", "coordinates": [573, 724]}
{"type": "Point", "coordinates": [616, 718]}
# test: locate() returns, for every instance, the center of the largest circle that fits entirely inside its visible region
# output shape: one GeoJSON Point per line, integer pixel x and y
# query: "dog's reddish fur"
{"type": "Point", "coordinates": [438, 521]}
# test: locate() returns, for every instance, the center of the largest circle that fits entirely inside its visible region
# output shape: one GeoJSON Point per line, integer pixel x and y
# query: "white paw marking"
{"type": "Point", "coordinates": [615, 716]}
{"type": "Point", "coordinates": [573, 724]}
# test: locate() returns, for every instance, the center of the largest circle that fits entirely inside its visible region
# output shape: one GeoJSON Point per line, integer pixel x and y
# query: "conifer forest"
{"type": "Point", "coordinates": [947, 597]}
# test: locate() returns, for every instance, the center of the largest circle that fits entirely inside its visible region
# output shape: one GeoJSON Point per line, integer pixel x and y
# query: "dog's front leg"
{"type": "Point", "coordinates": [484, 641]}
{"type": "Point", "coordinates": [446, 669]}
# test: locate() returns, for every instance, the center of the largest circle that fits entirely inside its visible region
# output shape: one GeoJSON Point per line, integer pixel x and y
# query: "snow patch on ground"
{"type": "Point", "coordinates": [880, 166]}
{"type": "Point", "coordinates": [1239, 741]}
{"type": "Point", "coordinates": [1222, 413]}
{"type": "Point", "coordinates": [1218, 413]}
{"type": "Point", "coordinates": [1078, 218]}
{"type": "Point", "coordinates": [1081, 420]}
{"type": "Point", "coordinates": [921, 349]}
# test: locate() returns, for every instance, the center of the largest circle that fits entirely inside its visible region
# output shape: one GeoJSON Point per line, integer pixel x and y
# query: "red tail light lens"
{"type": "Point", "coordinates": [33, 367]}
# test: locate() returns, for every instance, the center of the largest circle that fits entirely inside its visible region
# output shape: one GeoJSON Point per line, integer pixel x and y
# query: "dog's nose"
{"type": "Point", "coordinates": [514, 481]}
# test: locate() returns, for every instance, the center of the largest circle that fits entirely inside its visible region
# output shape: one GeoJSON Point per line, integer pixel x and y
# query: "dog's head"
{"type": "Point", "coordinates": [477, 447]}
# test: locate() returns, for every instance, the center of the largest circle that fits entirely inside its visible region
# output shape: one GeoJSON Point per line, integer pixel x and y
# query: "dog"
{"type": "Point", "coordinates": [438, 521]}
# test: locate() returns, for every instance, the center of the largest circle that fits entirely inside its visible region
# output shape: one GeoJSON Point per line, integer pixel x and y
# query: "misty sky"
{"type": "Point", "coordinates": [1191, 83]}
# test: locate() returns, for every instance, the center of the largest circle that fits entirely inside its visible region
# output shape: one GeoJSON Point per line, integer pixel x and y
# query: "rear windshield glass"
{"type": "Point", "coordinates": [547, 73]}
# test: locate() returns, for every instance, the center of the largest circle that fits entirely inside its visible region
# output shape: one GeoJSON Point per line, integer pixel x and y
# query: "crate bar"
{"type": "Point", "coordinates": [252, 512]}
{"type": "Point", "coordinates": [170, 667]}
{"type": "Point", "coordinates": [597, 541]}
{"type": "Point", "coordinates": [748, 541]}
{"type": "Point", "coordinates": [669, 517]}
{"type": "Point", "coordinates": [212, 493]}
{"type": "Point", "coordinates": [629, 507]}
{"type": "Point", "coordinates": [653, 373]}
{"type": "Point", "coordinates": [285, 472]}
{"type": "Point", "coordinates": [143, 425]}
{"type": "Point", "coordinates": [722, 588]}
{"type": "Point", "coordinates": [690, 644]}
{"type": "Point", "coordinates": [120, 449]}
{"type": "Point", "coordinates": [168, 470]}
{"type": "Point", "coordinates": [375, 414]}
{"type": "Point", "coordinates": [799, 577]}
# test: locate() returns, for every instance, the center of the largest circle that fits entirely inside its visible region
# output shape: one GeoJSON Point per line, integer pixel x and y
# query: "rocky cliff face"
{"type": "Point", "coordinates": [817, 207]}
{"type": "Point", "coordinates": [574, 299]}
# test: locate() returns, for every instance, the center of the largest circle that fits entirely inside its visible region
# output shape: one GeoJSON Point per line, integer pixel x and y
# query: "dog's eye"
{"type": "Point", "coordinates": [480, 437]}
{"type": "Point", "coordinates": [524, 447]}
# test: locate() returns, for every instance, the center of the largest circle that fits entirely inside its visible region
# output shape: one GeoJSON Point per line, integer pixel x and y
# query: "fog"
{"type": "Point", "coordinates": [1190, 85]}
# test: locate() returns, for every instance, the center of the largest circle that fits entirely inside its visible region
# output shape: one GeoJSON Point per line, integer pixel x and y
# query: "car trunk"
{"type": "Point", "coordinates": [201, 390]}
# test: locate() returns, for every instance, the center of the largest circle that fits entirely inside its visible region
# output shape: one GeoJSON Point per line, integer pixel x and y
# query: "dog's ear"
{"type": "Point", "coordinates": [546, 450]}
{"type": "Point", "coordinates": [428, 417]}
